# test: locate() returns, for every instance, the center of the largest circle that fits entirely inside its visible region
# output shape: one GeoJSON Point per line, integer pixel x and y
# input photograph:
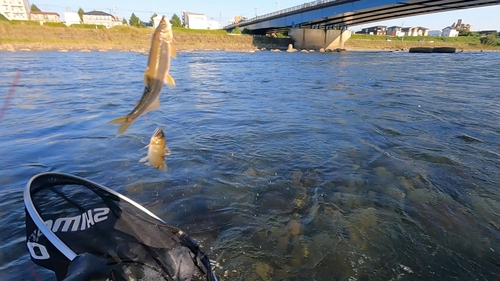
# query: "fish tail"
{"type": "Point", "coordinates": [163, 167]}
{"type": "Point", "coordinates": [124, 123]}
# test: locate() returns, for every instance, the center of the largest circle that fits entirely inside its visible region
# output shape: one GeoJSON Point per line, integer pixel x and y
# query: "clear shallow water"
{"type": "Point", "coordinates": [358, 166]}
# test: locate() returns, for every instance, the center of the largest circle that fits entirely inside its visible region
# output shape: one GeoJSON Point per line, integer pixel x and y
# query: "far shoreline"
{"type": "Point", "coordinates": [37, 47]}
{"type": "Point", "coordinates": [27, 36]}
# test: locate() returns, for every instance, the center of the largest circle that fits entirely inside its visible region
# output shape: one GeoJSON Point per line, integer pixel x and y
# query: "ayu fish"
{"type": "Point", "coordinates": [157, 151]}
{"type": "Point", "coordinates": [156, 74]}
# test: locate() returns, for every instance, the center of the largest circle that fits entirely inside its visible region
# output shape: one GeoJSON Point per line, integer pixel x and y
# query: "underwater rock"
{"type": "Point", "coordinates": [294, 227]}
{"type": "Point", "coordinates": [264, 271]}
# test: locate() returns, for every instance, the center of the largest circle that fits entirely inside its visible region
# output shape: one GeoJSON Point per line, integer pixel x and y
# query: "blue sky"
{"type": "Point", "coordinates": [225, 10]}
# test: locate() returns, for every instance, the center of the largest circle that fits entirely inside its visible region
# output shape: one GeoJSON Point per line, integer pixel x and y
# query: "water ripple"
{"type": "Point", "coordinates": [358, 166]}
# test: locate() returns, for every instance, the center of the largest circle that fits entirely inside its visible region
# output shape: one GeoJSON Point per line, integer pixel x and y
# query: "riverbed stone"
{"type": "Point", "coordinates": [294, 227]}
{"type": "Point", "coordinates": [422, 195]}
{"type": "Point", "coordinates": [264, 270]}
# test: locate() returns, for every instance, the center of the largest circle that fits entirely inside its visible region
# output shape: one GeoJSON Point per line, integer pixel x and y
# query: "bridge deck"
{"type": "Point", "coordinates": [341, 13]}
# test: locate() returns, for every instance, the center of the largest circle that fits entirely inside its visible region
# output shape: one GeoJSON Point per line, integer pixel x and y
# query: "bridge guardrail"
{"type": "Point", "coordinates": [283, 11]}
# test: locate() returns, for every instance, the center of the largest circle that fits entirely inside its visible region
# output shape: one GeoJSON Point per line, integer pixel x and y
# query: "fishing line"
{"type": "Point", "coordinates": [10, 94]}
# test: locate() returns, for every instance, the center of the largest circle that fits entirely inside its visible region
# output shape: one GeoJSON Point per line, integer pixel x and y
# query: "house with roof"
{"type": "Point", "coordinates": [101, 18]}
{"type": "Point", "coordinates": [422, 31]}
{"type": "Point", "coordinates": [44, 16]}
{"type": "Point", "coordinates": [194, 20]}
{"type": "Point", "coordinates": [395, 31]}
{"type": "Point", "coordinates": [449, 32]}
{"type": "Point", "coordinates": [375, 30]}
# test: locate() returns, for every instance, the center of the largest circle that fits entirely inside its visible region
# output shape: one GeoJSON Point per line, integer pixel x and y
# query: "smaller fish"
{"type": "Point", "coordinates": [157, 151]}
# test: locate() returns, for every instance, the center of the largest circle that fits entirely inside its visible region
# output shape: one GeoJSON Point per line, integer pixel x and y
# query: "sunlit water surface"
{"type": "Point", "coordinates": [320, 166]}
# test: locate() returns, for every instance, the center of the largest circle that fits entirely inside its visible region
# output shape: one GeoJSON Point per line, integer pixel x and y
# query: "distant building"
{"type": "Point", "coordinates": [375, 30]}
{"type": "Point", "coordinates": [44, 17]}
{"type": "Point", "coordinates": [237, 19]}
{"type": "Point", "coordinates": [71, 18]}
{"type": "Point", "coordinates": [449, 32]}
{"type": "Point", "coordinates": [460, 26]}
{"type": "Point", "coordinates": [422, 31]}
{"type": "Point", "coordinates": [435, 33]}
{"type": "Point", "coordinates": [415, 31]}
{"type": "Point", "coordinates": [395, 31]}
{"type": "Point", "coordinates": [101, 18]}
{"type": "Point", "coordinates": [213, 24]}
{"type": "Point", "coordinates": [410, 31]}
{"type": "Point", "coordinates": [15, 9]}
{"type": "Point", "coordinates": [194, 20]}
{"type": "Point", "coordinates": [486, 32]}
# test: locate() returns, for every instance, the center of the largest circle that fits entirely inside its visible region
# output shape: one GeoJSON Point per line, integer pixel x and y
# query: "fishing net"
{"type": "Point", "coordinates": [68, 216]}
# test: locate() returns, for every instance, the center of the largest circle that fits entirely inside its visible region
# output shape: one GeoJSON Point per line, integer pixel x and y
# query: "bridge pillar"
{"type": "Point", "coordinates": [304, 38]}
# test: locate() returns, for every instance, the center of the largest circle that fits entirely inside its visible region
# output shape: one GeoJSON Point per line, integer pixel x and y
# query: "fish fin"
{"type": "Point", "coordinates": [155, 105]}
{"type": "Point", "coordinates": [123, 122]}
{"type": "Point", "coordinates": [169, 80]}
{"type": "Point", "coordinates": [147, 164]}
{"type": "Point", "coordinates": [167, 152]}
{"type": "Point", "coordinates": [144, 159]}
{"type": "Point", "coordinates": [173, 53]}
{"type": "Point", "coordinates": [163, 167]}
{"type": "Point", "coordinates": [145, 147]}
{"type": "Point", "coordinates": [146, 76]}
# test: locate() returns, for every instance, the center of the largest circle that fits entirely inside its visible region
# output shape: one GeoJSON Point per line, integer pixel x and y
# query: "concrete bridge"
{"type": "Point", "coordinates": [323, 23]}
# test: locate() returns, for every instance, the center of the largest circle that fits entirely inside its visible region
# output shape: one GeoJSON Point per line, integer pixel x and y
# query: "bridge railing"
{"type": "Point", "coordinates": [283, 11]}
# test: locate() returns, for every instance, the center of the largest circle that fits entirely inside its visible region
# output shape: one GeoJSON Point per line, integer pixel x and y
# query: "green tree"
{"type": "Point", "coordinates": [246, 31]}
{"type": "Point", "coordinates": [80, 13]}
{"type": "Point", "coordinates": [464, 33]}
{"type": "Point", "coordinates": [175, 21]}
{"type": "Point", "coordinates": [124, 21]}
{"type": "Point", "coordinates": [34, 8]}
{"type": "Point", "coordinates": [134, 20]}
{"type": "Point", "coordinates": [152, 22]}
{"type": "Point", "coordinates": [236, 30]}
{"type": "Point", "coordinates": [490, 39]}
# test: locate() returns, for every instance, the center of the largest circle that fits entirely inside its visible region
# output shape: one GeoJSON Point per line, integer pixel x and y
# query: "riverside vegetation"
{"type": "Point", "coordinates": [470, 41]}
{"type": "Point", "coordinates": [28, 35]}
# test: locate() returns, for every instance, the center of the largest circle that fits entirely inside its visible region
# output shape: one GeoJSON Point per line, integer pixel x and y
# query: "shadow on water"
{"type": "Point", "coordinates": [360, 166]}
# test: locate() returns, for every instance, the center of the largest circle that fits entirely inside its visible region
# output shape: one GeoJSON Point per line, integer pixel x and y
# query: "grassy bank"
{"type": "Point", "coordinates": [123, 38]}
{"type": "Point", "coordinates": [466, 43]}
{"type": "Point", "coordinates": [18, 35]}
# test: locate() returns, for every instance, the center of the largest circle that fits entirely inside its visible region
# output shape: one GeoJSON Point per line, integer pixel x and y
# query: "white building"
{"type": "Point", "coordinates": [395, 31]}
{"type": "Point", "coordinates": [71, 18]}
{"type": "Point", "coordinates": [194, 20]}
{"type": "Point", "coordinates": [101, 18]}
{"type": "Point", "coordinates": [15, 9]}
{"type": "Point", "coordinates": [449, 32]}
{"type": "Point", "coordinates": [213, 24]}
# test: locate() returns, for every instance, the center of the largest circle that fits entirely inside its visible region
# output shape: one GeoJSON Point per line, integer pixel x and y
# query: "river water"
{"type": "Point", "coordinates": [319, 166]}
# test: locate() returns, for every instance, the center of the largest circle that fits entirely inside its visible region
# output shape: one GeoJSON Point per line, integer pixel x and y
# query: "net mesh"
{"type": "Point", "coordinates": [88, 219]}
